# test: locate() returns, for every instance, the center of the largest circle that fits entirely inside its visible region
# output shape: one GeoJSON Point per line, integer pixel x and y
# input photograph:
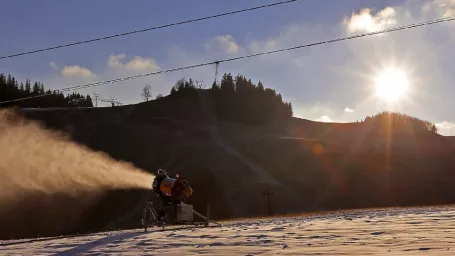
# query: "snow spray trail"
{"type": "Point", "coordinates": [35, 160]}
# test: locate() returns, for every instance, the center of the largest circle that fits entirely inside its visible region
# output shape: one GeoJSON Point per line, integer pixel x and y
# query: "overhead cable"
{"type": "Point", "coordinates": [145, 30]}
{"type": "Point", "coordinates": [121, 79]}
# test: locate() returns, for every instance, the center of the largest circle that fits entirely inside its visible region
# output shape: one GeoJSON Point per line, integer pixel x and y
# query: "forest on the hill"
{"type": "Point", "coordinates": [235, 99]}
{"type": "Point", "coordinates": [239, 99]}
{"type": "Point", "coordinates": [399, 122]}
{"type": "Point", "coordinates": [11, 89]}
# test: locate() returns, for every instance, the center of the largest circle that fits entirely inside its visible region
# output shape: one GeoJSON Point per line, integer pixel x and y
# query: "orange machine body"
{"type": "Point", "coordinates": [166, 185]}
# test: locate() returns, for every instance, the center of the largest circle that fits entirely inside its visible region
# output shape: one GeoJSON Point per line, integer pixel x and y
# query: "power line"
{"type": "Point", "coordinates": [145, 30]}
{"type": "Point", "coordinates": [96, 84]}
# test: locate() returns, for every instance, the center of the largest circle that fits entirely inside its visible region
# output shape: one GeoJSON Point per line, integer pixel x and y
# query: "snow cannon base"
{"type": "Point", "coordinates": [173, 214]}
{"type": "Point", "coordinates": [179, 213]}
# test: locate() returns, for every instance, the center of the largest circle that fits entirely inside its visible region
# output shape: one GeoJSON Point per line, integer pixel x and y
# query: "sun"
{"type": "Point", "coordinates": [391, 84]}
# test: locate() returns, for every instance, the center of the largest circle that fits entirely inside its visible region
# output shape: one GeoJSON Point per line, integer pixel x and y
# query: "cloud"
{"type": "Point", "coordinates": [312, 112]}
{"type": "Point", "coordinates": [115, 66]}
{"type": "Point", "coordinates": [365, 21]}
{"type": "Point", "coordinates": [53, 65]}
{"type": "Point", "coordinates": [263, 46]}
{"type": "Point", "coordinates": [325, 119]}
{"type": "Point", "coordinates": [225, 43]}
{"type": "Point", "coordinates": [135, 63]}
{"type": "Point", "coordinates": [348, 110]}
{"type": "Point", "coordinates": [441, 8]}
{"type": "Point", "coordinates": [77, 71]}
{"type": "Point", "coordinates": [446, 128]}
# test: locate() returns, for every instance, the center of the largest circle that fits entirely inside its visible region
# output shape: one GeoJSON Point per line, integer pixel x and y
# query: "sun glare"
{"type": "Point", "coordinates": [391, 84]}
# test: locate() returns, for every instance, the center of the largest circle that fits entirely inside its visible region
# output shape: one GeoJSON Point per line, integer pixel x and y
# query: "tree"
{"type": "Point", "coordinates": [400, 122]}
{"type": "Point", "coordinates": [28, 87]}
{"type": "Point", "coordinates": [184, 88]}
{"type": "Point", "coordinates": [200, 84]}
{"type": "Point", "coordinates": [239, 99]}
{"type": "Point", "coordinates": [11, 89]}
{"type": "Point", "coordinates": [159, 96]}
{"type": "Point", "coordinates": [88, 101]}
{"type": "Point", "coordinates": [147, 92]}
{"type": "Point", "coordinates": [36, 89]}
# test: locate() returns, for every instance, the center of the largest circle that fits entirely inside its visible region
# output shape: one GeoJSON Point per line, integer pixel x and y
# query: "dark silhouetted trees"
{"type": "Point", "coordinates": [184, 88]}
{"type": "Point", "coordinates": [400, 122]}
{"type": "Point", "coordinates": [11, 89]}
{"type": "Point", "coordinates": [239, 99]}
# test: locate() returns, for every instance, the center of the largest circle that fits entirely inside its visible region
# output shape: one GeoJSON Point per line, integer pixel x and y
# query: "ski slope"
{"type": "Point", "coordinates": [417, 231]}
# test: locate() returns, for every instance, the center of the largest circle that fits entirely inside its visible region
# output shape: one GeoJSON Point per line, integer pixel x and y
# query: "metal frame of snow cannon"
{"type": "Point", "coordinates": [174, 214]}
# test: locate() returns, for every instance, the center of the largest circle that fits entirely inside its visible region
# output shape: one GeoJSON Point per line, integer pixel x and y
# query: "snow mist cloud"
{"type": "Point", "coordinates": [39, 161]}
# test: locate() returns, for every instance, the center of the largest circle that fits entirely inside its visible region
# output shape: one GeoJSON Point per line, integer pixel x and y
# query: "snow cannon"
{"type": "Point", "coordinates": [170, 189]}
{"type": "Point", "coordinates": [173, 192]}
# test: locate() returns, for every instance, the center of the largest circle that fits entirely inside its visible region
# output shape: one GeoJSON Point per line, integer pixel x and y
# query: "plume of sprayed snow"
{"type": "Point", "coordinates": [39, 161]}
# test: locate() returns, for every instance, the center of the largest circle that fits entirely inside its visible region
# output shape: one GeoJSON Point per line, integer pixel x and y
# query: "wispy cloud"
{"type": "Point", "coordinates": [77, 71]}
{"type": "Point", "coordinates": [442, 8]}
{"type": "Point", "coordinates": [115, 66]}
{"type": "Point", "coordinates": [348, 110]}
{"type": "Point", "coordinates": [366, 21]}
{"type": "Point", "coordinates": [325, 119]}
{"type": "Point", "coordinates": [225, 43]}
{"type": "Point", "coordinates": [53, 65]}
{"type": "Point", "coordinates": [135, 63]}
{"type": "Point", "coordinates": [446, 128]}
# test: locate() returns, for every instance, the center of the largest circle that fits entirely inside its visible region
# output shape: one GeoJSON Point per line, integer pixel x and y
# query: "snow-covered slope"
{"type": "Point", "coordinates": [367, 232]}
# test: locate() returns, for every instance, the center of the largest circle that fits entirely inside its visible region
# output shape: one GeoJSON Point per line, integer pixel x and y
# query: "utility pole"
{"type": "Point", "coordinates": [112, 100]}
{"type": "Point", "coordinates": [268, 194]}
{"type": "Point", "coordinates": [96, 100]}
{"type": "Point", "coordinates": [217, 64]}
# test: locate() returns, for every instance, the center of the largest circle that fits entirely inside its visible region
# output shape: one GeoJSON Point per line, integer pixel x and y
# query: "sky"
{"type": "Point", "coordinates": [330, 83]}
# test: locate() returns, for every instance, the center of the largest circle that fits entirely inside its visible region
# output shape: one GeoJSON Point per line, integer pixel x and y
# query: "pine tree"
{"type": "Point", "coordinates": [36, 89]}
{"type": "Point", "coordinates": [28, 88]}
{"type": "Point", "coordinates": [89, 102]}
{"type": "Point", "coordinates": [41, 88]}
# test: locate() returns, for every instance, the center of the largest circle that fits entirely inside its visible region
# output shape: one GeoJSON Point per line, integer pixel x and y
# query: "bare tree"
{"type": "Point", "coordinates": [200, 84]}
{"type": "Point", "coordinates": [159, 96]}
{"type": "Point", "coordinates": [147, 92]}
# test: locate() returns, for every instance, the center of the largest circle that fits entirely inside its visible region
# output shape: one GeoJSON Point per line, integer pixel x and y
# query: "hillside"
{"type": "Point", "coordinates": [308, 165]}
{"type": "Point", "coordinates": [354, 165]}
{"type": "Point", "coordinates": [169, 133]}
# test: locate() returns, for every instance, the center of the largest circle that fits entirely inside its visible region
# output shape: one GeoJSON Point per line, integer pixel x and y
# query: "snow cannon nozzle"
{"type": "Point", "coordinates": [173, 189]}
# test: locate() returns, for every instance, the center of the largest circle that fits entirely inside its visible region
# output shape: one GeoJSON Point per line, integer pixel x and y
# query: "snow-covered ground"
{"type": "Point", "coordinates": [370, 232]}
